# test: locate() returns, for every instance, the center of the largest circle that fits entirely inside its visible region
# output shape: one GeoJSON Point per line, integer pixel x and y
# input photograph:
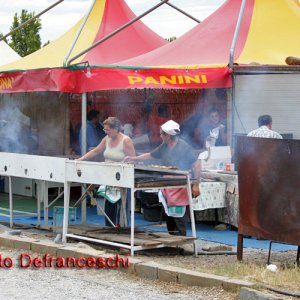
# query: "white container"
{"type": "Point", "coordinates": [217, 159]}
{"type": "Point", "coordinates": [20, 186]}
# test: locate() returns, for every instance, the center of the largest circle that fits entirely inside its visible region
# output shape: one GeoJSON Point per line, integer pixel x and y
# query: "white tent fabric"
{"type": "Point", "coordinates": [7, 54]}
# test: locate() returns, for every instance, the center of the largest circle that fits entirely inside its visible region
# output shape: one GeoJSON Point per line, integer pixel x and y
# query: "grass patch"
{"type": "Point", "coordinates": [287, 277]}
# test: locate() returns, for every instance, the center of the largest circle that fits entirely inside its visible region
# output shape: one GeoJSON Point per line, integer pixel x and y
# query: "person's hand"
{"type": "Point", "coordinates": [222, 127]}
{"type": "Point", "coordinates": [195, 190]}
{"type": "Point", "coordinates": [128, 159]}
{"type": "Point", "coordinates": [79, 158]}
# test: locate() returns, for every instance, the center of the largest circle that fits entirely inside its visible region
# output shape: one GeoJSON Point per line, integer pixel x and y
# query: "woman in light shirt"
{"type": "Point", "coordinates": [115, 146]}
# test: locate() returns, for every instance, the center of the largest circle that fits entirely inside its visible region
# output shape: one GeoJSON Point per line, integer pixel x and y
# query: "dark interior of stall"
{"type": "Point", "coordinates": [136, 106]}
{"type": "Point", "coordinates": [48, 123]}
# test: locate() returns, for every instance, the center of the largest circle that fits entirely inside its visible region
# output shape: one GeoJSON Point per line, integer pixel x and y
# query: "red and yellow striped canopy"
{"type": "Point", "coordinates": [269, 33]}
{"type": "Point", "coordinates": [105, 17]}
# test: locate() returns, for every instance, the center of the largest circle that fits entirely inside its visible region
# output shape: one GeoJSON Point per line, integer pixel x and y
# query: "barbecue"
{"type": "Point", "coordinates": [63, 170]}
{"type": "Point", "coordinates": [153, 176]}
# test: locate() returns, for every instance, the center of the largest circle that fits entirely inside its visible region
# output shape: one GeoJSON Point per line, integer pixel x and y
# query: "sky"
{"type": "Point", "coordinates": [165, 21]}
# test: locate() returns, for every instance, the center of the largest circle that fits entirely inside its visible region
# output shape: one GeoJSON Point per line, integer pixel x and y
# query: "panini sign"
{"type": "Point", "coordinates": [174, 79]}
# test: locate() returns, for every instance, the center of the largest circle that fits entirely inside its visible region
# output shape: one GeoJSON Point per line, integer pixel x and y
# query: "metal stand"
{"type": "Point", "coordinates": [123, 176]}
{"type": "Point", "coordinates": [62, 170]}
{"type": "Point", "coordinates": [41, 168]}
{"type": "Point", "coordinates": [270, 248]}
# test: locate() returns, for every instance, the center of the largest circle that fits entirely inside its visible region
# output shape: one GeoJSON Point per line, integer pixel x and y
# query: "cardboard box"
{"type": "Point", "coordinates": [216, 158]}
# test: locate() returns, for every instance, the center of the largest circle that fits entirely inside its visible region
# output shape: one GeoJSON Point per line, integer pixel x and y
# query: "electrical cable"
{"type": "Point", "coordinates": [283, 292]}
{"type": "Point", "coordinates": [237, 113]}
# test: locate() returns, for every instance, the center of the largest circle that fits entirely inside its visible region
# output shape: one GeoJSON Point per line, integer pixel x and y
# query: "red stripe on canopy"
{"type": "Point", "coordinates": [207, 43]}
{"type": "Point", "coordinates": [134, 40]}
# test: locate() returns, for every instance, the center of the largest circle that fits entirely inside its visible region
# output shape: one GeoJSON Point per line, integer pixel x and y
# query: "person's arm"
{"type": "Point", "coordinates": [197, 172]}
{"type": "Point", "coordinates": [94, 152]}
{"type": "Point", "coordinates": [156, 153]}
{"type": "Point", "coordinates": [131, 159]}
{"type": "Point", "coordinates": [129, 147]}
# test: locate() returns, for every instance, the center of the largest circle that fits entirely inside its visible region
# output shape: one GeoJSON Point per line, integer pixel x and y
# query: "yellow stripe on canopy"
{"type": "Point", "coordinates": [54, 53]}
{"type": "Point", "coordinates": [268, 43]}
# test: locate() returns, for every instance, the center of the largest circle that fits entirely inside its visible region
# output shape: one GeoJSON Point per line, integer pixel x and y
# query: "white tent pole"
{"type": "Point", "coordinates": [11, 212]}
{"type": "Point", "coordinates": [183, 12]}
{"type": "Point", "coordinates": [231, 61]}
{"type": "Point", "coordinates": [116, 31]}
{"type": "Point", "coordinates": [78, 33]}
{"type": "Point", "coordinates": [83, 123]}
{"type": "Point", "coordinates": [236, 33]}
{"type": "Point", "coordinates": [83, 147]}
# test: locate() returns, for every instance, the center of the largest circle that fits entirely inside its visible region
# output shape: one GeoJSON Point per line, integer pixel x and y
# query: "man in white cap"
{"type": "Point", "coordinates": [175, 152]}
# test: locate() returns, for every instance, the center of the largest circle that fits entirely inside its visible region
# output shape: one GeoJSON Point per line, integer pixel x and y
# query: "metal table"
{"type": "Point", "coordinates": [124, 176]}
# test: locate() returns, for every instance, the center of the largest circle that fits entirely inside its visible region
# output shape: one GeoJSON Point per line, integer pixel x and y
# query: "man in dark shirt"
{"type": "Point", "coordinates": [214, 132]}
{"type": "Point", "coordinates": [177, 153]}
{"type": "Point", "coordinates": [94, 130]}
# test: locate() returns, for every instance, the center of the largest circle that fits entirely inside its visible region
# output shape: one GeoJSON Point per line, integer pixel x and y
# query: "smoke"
{"type": "Point", "coordinates": [34, 123]}
{"type": "Point", "coordinates": [15, 132]}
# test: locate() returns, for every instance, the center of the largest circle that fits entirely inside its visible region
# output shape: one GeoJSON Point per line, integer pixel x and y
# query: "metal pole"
{"type": "Point", "coordinates": [46, 204]}
{"type": "Point", "coordinates": [66, 210]}
{"type": "Point", "coordinates": [231, 61]}
{"type": "Point", "coordinates": [116, 31]}
{"type": "Point", "coordinates": [30, 20]}
{"type": "Point", "coordinates": [38, 203]}
{"type": "Point", "coordinates": [83, 123]}
{"type": "Point", "coordinates": [132, 204]}
{"type": "Point", "coordinates": [78, 34]}
{"type": "Point", "coordinates": [236, 33]}
{"type": "Point", "coordinates": [192, 217]}
{"type": "Point", "coordinates": [83, 148]}
{"type": "Point", "coordinates": [232, 109]}
{"type": "Point", "coordinates": [10, 202]}
{"type": "Point", "coordinates": [183, 12]}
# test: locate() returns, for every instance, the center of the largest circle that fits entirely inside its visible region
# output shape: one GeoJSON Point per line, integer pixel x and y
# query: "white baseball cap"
{"type": "Point", "coordinates": [171, 127]}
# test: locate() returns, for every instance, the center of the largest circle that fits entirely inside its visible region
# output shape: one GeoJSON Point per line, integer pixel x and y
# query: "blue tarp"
{"type": "Point", "coordinates": [204, 232]}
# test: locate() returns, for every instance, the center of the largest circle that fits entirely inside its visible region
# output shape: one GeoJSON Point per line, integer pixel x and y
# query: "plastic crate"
{"type": "Point", "coordinates": [58, 215]}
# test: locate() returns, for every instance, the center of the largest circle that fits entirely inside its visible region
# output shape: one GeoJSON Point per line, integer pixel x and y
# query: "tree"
{"type": "Point", "coordinates": [26, 40]}
{"type": "Point", "coordinates": [1, 35]}
{"type": "Point", "coordinates": [47, 43]}
{"type": "Point", "coordinates": [171, 39]}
